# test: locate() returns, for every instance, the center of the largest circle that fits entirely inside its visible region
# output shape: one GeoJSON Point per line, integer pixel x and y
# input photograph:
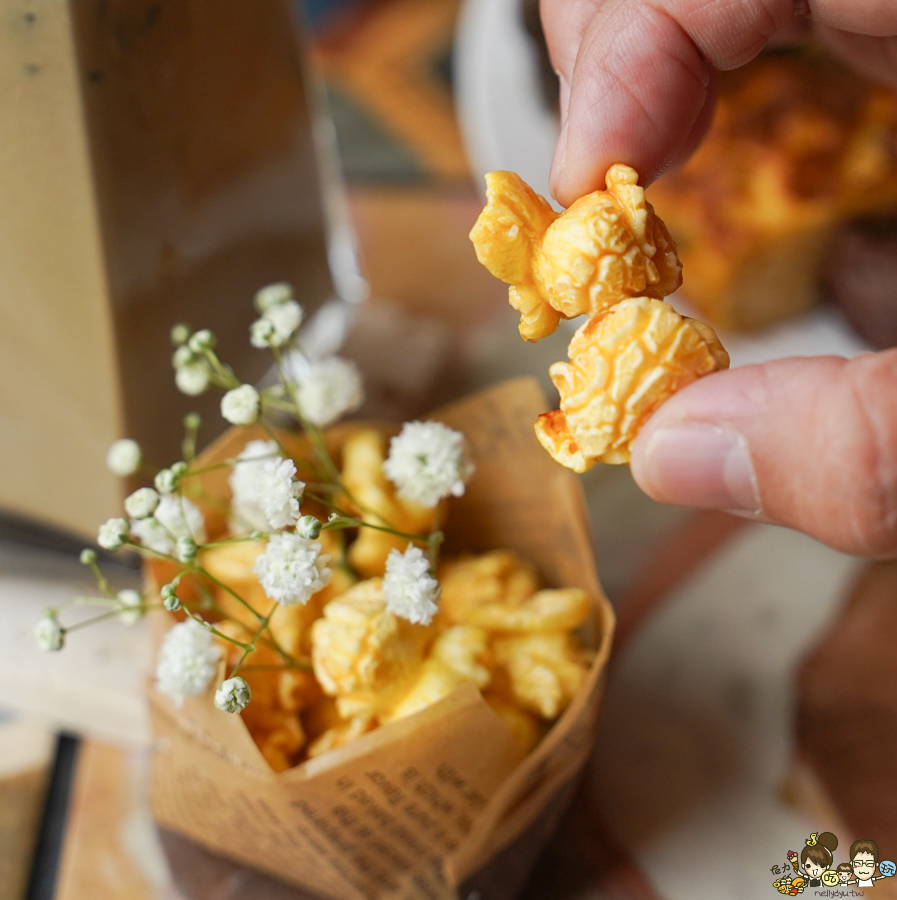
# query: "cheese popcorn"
{"type": "Point", "coordinates": [455, 658]}
{"type": "Point", "coordinates": [544, 670]}
{"type": "Point", "coordinates": [363, 456]}
{"type": "Point", "coordinates": [363, 654]}
{"type": "Point", "coordinates": [607, 246]}
{"type": "Point", "coordinates": [498, 577]}
{"type": "Point", "coordinates": [550, 610]}
{"type": "Point", "coordinates": [623, 365]}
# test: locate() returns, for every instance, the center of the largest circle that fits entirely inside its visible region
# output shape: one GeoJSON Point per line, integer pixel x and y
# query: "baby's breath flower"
{"type": "Point", "coordinates": [308, 527]}
{"type": "Point", "coordinates": [233, 695]}
{"type": "Point", "coordinates": [273, 295]}
{"type": "Point", "coordinates": [286, 319]}
{"type": "Point", "coordinates": [185, 549]}
{"type": "Point", "coordinates": [166, 482]}
{"type": "Point", "coordinates": [192, 379]}
{"type": "Point", "coordinates": [187, 661]}
{"type": "Point", "coordinates": [292, 569]}
{"type": "Point", "coordinates": [142, 503]}
{"type": "Point", "coordinates": [113, 533]}
{"type": "Point", "coordinates": [124, 457]}
{"type": "Point", "coordinates": [279, 492]}
{"type": "Point", "coordinates": [88, 557]}
{"type": "Point", "coordinates": [427, 462]}
{"type": "Point", "coordinates": [245, 501]}
{"type": "Point", "coordinates": [49, 633]}
{"type": "Point", "coordinates": [180, 334]}
{"type": "Point", "coordinates": [201, 341]}
{"type": "Point", "coordinates": [277, 326]}
{"type": "Point", "coordinates": [408, 588]}
{"type": "Point", "coordinates": [328, 389]}
{"type": "Point", "coordinates": [241, 405]}
{"type": "Point", "coordinates": [261, 332]}
{"type": "Point", "coordinates": [175, 517]}
{"type": "Point", "coordinates": [131, 606]}
{"type": "Point", "coordinates": [170, 599]}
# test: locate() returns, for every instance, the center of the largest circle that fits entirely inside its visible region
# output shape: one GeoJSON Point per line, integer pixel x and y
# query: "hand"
{"type": "Point", "coordinates": [809, 443]}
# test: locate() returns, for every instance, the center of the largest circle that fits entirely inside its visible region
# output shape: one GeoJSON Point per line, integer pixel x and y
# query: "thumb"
{"type": "Point", "coordinates": [808, 443]}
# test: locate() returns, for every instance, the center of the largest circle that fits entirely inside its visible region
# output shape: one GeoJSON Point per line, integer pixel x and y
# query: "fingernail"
{"type": "Point", "coordinates": [696, 464]}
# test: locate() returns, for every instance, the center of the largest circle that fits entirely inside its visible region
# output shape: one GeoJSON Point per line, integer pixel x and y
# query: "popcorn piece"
{"type": "Point", "coordinates": [623, 365]}
{"type": "Point", "coordinates": [498, 577]}
{"type": "Point", "coordinates": [544, 670]}
{"type": "Point", "coordinates": [454, 660]}
{"type": "Point", "coordinates": [363, 456]}
{"type": "Point", "coordinates": [550, 610]}
{"type": "Point", "coordinates": [523, 727]}
{"type": "Point", "coordinates": [362, 653]}
{"type": "Point", "coordinates": [609, 245]}
{"type": "Point", "coordinates": [339, 736]}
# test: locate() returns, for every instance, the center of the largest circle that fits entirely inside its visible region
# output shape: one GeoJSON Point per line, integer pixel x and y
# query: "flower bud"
{"type": "Point", "coordinates": [273, 295]}
{"type": "Point", "coordinates": [201, 341]}
{"type": "Point", "coordinates": [124, 457]}
{"type": "Point", "coordinates": [185, 549]}
{"type": "Point", "coordinates": [233, 695]}
{"type": "Point", "coordinates": [193, 378]}
{"type": "Point", "coordinates": [113, 533]}
{"type": "Point", "coordinates": [88, 557]}
{"type": "Point", "coordinates": [131, 606]}
{"type": "Point", "coordinates": [49, 633]}
{"type": "Point", "coordinates": [192, 421]}
{"type": "Point", "coordinates": [261, 333]}
{"type": "Point", "coordinates": [308, 527]}
{"type": "Point", "coordinates": [241, 405]}
{"type": "Point", "coordinates": [179, 469]}
{"type": "Point", "coordinates": [142, 503]}
{"type": "Point", "coordinates": [183, 356]}
{"type": "Point", "coordinates": [180, 334]}
{"type": "Point", "coordinates": [166, 481]}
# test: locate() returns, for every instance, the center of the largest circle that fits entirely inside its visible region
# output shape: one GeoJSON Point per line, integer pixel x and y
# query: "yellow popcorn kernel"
{"type": "Point", "coordinates": [544, 670]}
{"type": "Point", "coordinates": [339, 736]}
{"type": "Point", "coordinates": [282, 745]}
{"type": "Point", "coordinates": [296, 690]}
{"type": "Point", "coordinates": [523, 727]}
{"type": "Point", "coordinates": [548, 610]}
{"type": "Point", "coordinates": [498, 577]}
{"type": "Point", "coordinates": [609, 245]}
{"type": "Point", "coordinates": [363, 456]}
{"type": "Point", "coordinates": [232, 565]}
{"type": "Point", "coordinates": [623, 365]}
{"type": "Point", "coordinates": [454, 659]}
{"type": "Point", "coordinates": [361, 652]}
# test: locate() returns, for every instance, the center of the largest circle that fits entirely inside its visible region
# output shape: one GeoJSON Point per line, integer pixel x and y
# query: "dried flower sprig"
{"type": "Point", "coordinates": [426, 463]}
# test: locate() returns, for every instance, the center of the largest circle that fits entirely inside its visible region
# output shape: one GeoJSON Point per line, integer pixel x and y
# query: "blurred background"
{"type": "Point", "coordinates": [163, 160]}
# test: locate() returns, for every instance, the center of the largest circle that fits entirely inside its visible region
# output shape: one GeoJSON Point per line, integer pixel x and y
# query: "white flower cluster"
{"type": "Point", "coordinates": [408, 588]}
{"type": "Point", "coordinates": [49, 633]}
{"type": "Point", "coordinates": [246, 507]}
{"type": "Point", "coordinates": [427, 462]}
{"type": "Point", "coordinates": [174, 518]}
{"type": "Point", "coordinates": [292, 568]}
{"type": "Point", "coordinates": [326, 389]}
{"type": "Point", "coordinates": [280, 319]}
{"type": "Point", "coordinates": [188, 660]}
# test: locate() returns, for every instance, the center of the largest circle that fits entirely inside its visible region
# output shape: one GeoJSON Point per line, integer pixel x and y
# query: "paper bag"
{"type": "Point", "coordinates": [415, 808]}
